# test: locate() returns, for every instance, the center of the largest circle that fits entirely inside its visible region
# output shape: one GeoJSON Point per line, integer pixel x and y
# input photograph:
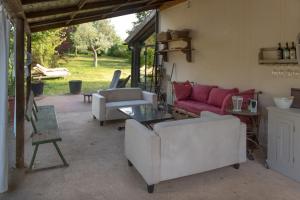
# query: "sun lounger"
{"type": "Point", "coordinates": [41, 72]}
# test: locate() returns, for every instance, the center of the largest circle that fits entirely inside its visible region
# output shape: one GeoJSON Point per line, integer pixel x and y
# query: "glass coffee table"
{"type": "Point", "coordinates": [146, 114]}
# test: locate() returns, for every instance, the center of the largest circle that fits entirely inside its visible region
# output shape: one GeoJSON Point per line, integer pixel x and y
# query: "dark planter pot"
{"type": "Point", "coordinates": [37, 88]}
{"type": "Point", "coordinates": [11, 108]}
{"type": "Point", "coordinates": [75, 86]}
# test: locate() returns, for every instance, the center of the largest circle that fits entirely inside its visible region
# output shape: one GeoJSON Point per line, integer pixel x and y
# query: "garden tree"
{"type": "Point", "coordinates": [67, 45]}
{"type": "Point", "coordinates": [95, 36]}
{"type": "Point", "coordinates": [140, 17]}
{"type": "Point", "coordinates": [44, 46]}
{"type": "Point", "coordinates": [118, 49]}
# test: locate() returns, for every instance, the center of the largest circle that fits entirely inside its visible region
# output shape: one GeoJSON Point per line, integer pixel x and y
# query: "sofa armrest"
{"type": "Point", "coordinates": [150, 97]}
{"type": "Point", "coordinates": [142, 149]}
{"type": "Point", "coordinates": [99, 107]}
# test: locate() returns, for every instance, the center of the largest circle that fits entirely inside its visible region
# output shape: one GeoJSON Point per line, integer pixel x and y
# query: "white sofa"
{"type": "Point", "coordinates": [106, 102]}
{"type": "Point", "coordinates": [180, 148]}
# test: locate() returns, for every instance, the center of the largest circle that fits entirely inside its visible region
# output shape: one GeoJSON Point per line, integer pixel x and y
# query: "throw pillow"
{"type": "Point", "coordinates": [217, 96]}
{"type": "Point", "coordinates": [182, 90]}
{"type": "Point", "coordinates": [201, 92]}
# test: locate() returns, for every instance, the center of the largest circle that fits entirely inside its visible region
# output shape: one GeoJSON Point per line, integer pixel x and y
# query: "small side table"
{"type": "Point", "coordinates": [252, 129]}
{"type": "Point", "coordinates": [88, 96]}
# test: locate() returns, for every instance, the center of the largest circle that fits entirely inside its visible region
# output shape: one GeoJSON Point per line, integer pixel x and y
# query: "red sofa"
{"type": "Point", "coordinates": [197, 98]}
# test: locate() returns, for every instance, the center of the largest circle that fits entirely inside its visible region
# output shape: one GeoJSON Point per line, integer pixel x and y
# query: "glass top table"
{"type": "Point", "coordinates": [146, 114]}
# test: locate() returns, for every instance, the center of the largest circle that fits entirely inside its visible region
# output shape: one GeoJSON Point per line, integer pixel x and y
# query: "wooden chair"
{"type": "Point", "coordinates": [122, 82]}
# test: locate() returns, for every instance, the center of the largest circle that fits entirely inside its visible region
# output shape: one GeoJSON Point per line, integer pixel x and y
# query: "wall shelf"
{"type": "Point", "coordinates": [178, 39]}
{"type": "Point", "coordinates": [187, 50]}
{"type": "Point", "coordinates": [268, 56]}
{"type": "Point", "coordinates": [278, 62]}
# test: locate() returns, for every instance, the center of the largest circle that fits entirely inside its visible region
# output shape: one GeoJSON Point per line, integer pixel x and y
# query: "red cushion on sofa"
{"type": "Point", "coordinates": [201, 92]}
{"type": "Point", "coordinates": [247, 95]}
{"type": "Point", "coordinates": [227, 103]}
{"type": "Point", "coordinates": [197, 107]}
{"type": "Point", "coordinates": [182, 90]}
{"type": "Point", "coordinates": [217, 96]}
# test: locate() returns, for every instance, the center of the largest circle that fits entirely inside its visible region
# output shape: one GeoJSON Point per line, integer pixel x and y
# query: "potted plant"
{"type": "Point", "coordinates": [37, 87]}
{"type": "Point", "coordinates": [75, 86]}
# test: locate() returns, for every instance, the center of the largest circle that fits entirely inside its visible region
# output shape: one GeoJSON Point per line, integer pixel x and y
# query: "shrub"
{"type": "Point", "coordinates": [118, 50]}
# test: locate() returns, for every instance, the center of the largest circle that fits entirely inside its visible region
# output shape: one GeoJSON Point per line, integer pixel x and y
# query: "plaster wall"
{"type": "Point", "coordinates": [226, 36]}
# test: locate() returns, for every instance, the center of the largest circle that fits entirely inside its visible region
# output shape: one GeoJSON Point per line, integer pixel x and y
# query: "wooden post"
{"type": "Point", "coordinates": [28, 79]}
{"type": "Point", "coordinates": [135, 68]}
{"type": "Point", "coordinates": [157, 63]}
{"type": "Point", "coordinates": [132, 67]}
{"type": "Point", "coordinates": [20, 97]}
{"type": "Point", "coordinates": [4, 57]}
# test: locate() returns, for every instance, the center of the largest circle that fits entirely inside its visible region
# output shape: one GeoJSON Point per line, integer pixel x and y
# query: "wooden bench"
{"type": "Point", "coordinates": [45, 128]}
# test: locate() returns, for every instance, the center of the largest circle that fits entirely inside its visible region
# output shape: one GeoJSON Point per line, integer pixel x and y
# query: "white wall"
{"type": "Point", "coordinates": [227, 35]}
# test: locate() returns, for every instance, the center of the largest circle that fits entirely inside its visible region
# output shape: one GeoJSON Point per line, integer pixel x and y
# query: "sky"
{"type": "Point", "coordinates": [122, 24]}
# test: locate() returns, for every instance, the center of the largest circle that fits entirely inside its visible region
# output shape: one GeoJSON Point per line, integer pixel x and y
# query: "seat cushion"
{"type": "Point", "coordinates": [118, 104]}
{"type": "Point", "coordinates": [182, 90]}
{"type": "Point", "coordinates": [201, 92]}
{"type": "Point", "coordinates": [196, 107]}
{"type": "Point", "coordinates": [217, 96]}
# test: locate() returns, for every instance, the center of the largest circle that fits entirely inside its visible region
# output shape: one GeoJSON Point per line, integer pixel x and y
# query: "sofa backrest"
{"type": "Point", "coordinates": [201, 92]}
{"type": "Point", "coordinates": [218, 95]}
{"type": "Point", "coordinates": [121, 94]}
{"type": "Point", "coordinates": [195, 145]}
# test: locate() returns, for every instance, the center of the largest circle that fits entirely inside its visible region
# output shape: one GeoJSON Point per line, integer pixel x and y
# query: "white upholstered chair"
{"type": "Point", "coordinates": [105, 104]}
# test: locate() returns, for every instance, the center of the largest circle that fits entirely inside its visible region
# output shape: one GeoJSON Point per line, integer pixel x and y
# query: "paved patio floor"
{"type": "Point", "coordinates": [98, 169]}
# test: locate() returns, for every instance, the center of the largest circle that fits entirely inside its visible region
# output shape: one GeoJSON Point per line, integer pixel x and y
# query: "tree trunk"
{"type": "Point", "coordinates": [95, 58]}
{"type": "Point", "coordinates": [75, 51]}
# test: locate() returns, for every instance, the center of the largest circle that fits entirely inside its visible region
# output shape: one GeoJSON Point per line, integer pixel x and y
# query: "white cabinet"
{"type": "Point", "coordinates": [284, 141]}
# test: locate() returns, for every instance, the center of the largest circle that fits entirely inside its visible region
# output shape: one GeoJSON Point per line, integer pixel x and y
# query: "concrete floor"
{"type": "Point", "coordinates": [98, 169]}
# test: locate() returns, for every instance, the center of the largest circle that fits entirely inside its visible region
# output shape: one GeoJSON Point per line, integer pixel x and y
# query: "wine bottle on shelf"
{"type": "Point", "coordinates": [286, 52]}
{"type": "Point", "coordinates": [293, 51]}
{"type": "Point", "coordinates": [279, 52]}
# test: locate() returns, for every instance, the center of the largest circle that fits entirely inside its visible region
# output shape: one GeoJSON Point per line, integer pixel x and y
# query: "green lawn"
{"type": "Point", "coordinates": [81, 68]}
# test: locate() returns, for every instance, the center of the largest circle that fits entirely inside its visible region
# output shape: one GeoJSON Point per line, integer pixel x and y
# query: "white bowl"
{"type": "Point", "coordinates": [283, 102]}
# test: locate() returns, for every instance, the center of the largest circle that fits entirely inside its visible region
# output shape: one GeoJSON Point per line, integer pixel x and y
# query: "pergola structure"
{"type": "Point", "coordinates": [135, 42]}
{"type": "Point", "coordinates": [40, 15]}
{"type": "Point", "coordinates": [29, 16]}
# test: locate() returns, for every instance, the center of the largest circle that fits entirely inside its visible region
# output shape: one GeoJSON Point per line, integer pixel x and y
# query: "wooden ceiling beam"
{"type": "Point", "coordinates": [122, 5]}
{"type": "Point", "coordinates": [67, 18]}
{"type": "Point", "coordinates": [27, 2]}
{"type": "Point", "coordinates": [170, 4]}
{"type": "Point", "coordinates": [80, 5]}
{"type": "Point", "coordinates": [150, 2]}
{"type": "Point", "coordinates": [104, 13]}
{"type": "Point", "coordinates": [70, 9]}
{"type": "Point", "coordinates": [15, 10]}
{"type": "Point", "coordinates": [93, 18]}
{"type": "Point", "coordinates": [50, 22]}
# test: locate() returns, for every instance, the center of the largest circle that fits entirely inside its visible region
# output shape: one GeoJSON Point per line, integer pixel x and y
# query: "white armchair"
{"type": "Point", "coordinates": [105, 104]}
{"type": "Point", "coordinates": [184, 147]}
